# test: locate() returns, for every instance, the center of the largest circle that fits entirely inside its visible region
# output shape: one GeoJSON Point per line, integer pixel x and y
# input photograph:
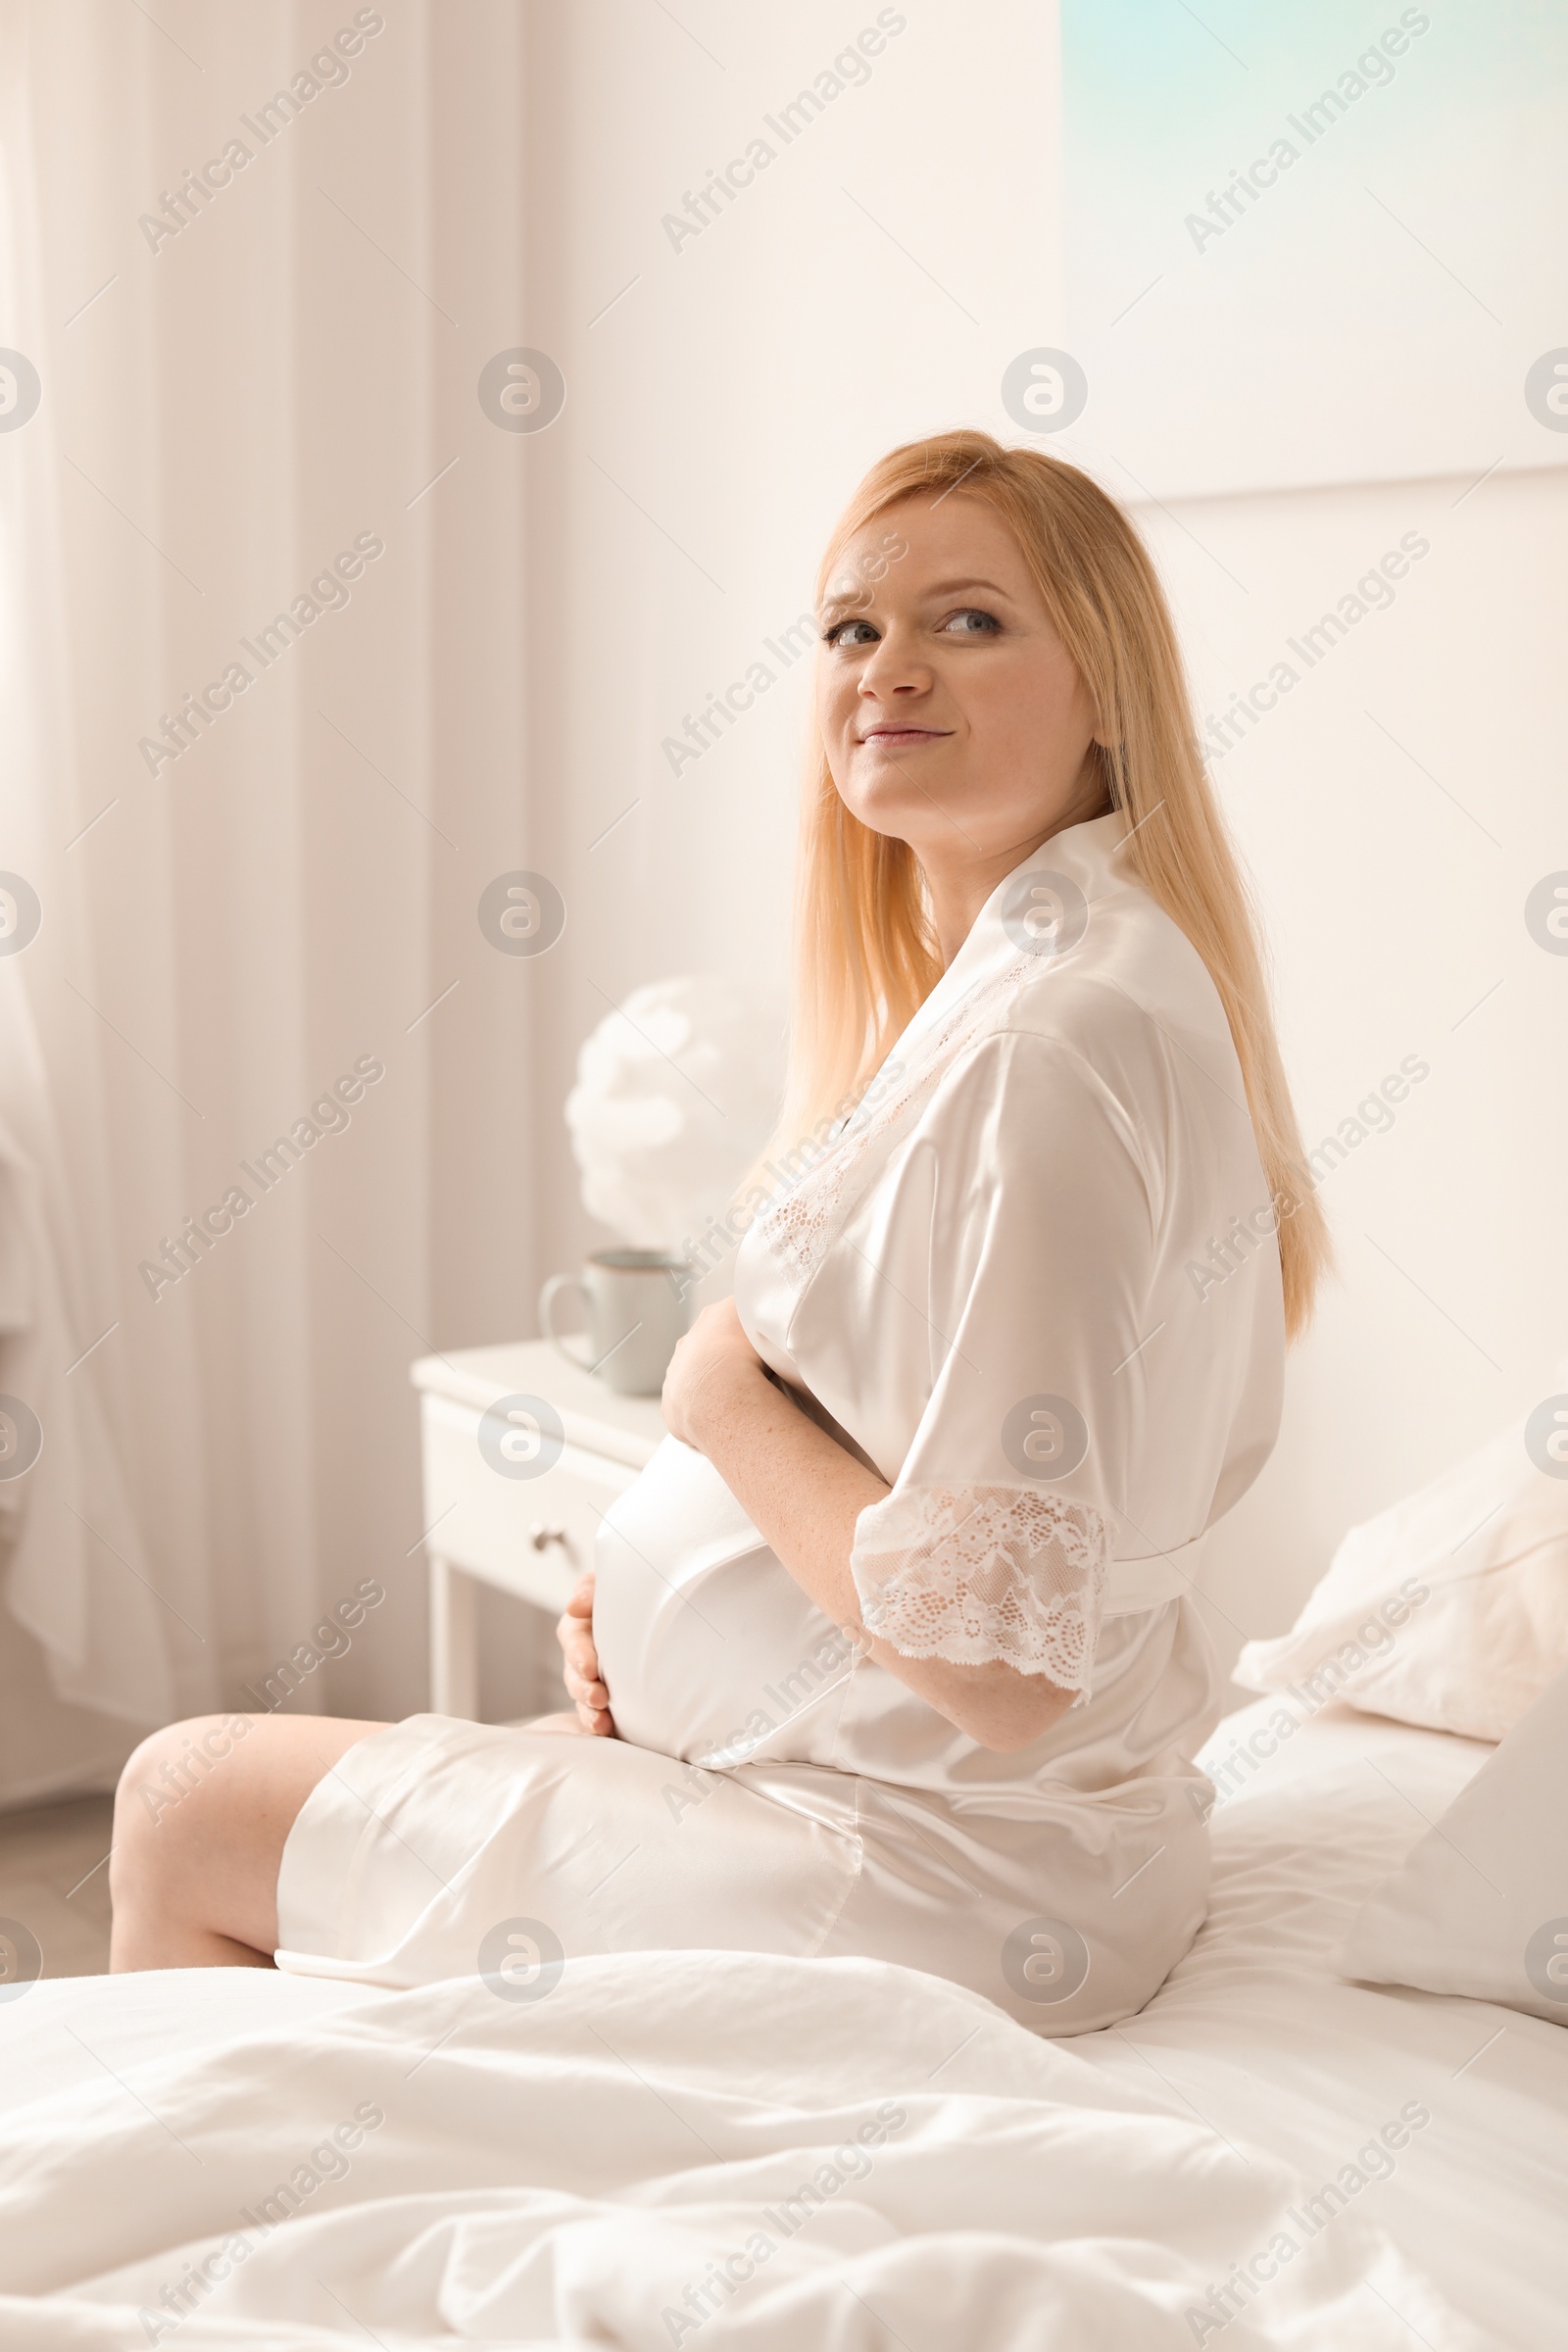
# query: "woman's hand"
{"type": "Point", "coordinates": [713, 1368]}
{"type": "Point", "coordinates": [575, 1631]}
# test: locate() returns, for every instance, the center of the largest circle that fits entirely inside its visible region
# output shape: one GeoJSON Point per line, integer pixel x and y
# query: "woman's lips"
{"type": "Point", "coordinates": [897, 738]}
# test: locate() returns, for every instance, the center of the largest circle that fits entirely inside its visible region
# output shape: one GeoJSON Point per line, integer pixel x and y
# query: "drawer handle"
{"type": "Point", "coordinates": [540, 1534]}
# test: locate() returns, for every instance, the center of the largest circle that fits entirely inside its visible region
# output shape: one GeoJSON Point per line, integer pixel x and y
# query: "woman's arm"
{"type": "Point", "coordinates": [804, 1493]}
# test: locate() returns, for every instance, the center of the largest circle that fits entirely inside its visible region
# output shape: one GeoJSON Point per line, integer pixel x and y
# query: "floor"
{"type": "Point", "coordinates": [53, 1886]}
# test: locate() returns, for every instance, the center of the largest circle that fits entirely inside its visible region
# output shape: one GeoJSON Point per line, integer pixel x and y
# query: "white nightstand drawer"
{"type": "Point", "coordinates": [502, 1529]}
{"type": "Point", "coordinates": [531, 1536]}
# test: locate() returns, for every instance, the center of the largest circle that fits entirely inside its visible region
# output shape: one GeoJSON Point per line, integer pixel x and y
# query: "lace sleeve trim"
{"type": "Point", "coordinates": [973, 1574]}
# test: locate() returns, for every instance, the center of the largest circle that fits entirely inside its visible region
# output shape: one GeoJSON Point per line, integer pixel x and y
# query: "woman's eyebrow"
{"type": "Point", "coordinates": [952, 587]}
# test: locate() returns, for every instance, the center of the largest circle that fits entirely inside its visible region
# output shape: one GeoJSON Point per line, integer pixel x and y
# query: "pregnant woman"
{"type": "Point", "coordinates": [893, 1649]}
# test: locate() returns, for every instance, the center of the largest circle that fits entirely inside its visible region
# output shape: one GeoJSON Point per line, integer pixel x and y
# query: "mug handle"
{"type": "Point", "coordinates": [547, 1317]}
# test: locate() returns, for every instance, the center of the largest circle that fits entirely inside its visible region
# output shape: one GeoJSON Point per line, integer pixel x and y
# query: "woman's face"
{"type": "Point", "coordinates": [951, 713]}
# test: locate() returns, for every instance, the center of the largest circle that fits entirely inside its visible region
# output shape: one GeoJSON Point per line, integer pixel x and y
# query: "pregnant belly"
{"type": "Point", "coordinates": [702, 1632]}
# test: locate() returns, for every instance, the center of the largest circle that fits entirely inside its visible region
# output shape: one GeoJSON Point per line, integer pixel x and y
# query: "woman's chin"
{"type": "Point", "coordinates": [892, 805]}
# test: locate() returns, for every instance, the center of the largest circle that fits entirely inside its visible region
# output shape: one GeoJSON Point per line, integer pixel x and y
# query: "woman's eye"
{"type": "Point", "coordinates": [839, 635]}
{"type": "Point", "coordinates": [971, 623]}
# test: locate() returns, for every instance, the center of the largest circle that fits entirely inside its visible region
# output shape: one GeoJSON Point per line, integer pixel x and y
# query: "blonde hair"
{"type": "Point", "coordinates": [866, 952]}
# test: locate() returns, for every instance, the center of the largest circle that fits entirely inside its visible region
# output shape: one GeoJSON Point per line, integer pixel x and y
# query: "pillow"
{"type": "Point", "coordinates": [1450, 1609]}
{"type": "Point", "coordinates": [1480, 1907]}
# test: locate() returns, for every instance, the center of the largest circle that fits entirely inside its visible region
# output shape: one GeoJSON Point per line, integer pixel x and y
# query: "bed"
{"type": "Point", "coordinates": [780, 2153]}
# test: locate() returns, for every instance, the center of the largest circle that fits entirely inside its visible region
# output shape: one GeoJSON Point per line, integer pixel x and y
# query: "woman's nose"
{"type": "Point", "coordinates": [893, 665]}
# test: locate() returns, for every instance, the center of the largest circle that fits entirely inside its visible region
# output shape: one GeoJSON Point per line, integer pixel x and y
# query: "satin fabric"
{"type": "Point", "coordinates": [1023, 1207]}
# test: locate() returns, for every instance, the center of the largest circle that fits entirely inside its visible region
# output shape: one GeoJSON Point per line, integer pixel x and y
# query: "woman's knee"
{"type": "Point", "coordinates": [175, 1850]}
{"type": "Point", "coordinates": [172, 1763]}
{"type": "Point", "coordinates": [169, 1767]}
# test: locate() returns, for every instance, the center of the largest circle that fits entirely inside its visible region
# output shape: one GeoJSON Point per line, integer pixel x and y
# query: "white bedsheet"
{"type": "Point", "coordinates": [568, 2172]}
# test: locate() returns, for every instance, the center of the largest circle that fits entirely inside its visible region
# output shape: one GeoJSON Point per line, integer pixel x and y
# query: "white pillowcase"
{"type": "Point", "coordinates": [1480, 1907]}
{"type": "Point", "coordinates": [1448, 1610]}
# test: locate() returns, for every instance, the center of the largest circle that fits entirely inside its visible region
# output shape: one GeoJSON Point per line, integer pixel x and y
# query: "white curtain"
{"type": "Point", "coordinates": [275, 391]}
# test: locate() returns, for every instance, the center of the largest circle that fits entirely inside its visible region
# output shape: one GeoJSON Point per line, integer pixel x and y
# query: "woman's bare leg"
{"type": "Point", "coordinates": [201, 1816]}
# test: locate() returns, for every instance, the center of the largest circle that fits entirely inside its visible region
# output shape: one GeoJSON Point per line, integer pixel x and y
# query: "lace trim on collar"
{"type": "Point", "coordinates": [798, 1224]}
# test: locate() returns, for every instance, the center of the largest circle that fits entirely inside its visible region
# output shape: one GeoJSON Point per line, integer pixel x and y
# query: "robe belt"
{"type": "Point", "coordinates": [1148, 1582]}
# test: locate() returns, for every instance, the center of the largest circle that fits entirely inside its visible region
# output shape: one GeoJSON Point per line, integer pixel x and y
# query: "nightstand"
{"type": "Point", "coordinates": [520, 1509]}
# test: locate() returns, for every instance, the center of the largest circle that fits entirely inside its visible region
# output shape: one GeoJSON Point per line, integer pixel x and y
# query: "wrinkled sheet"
{"type": "Point", "coordinates": [579, 2169]}
{"type": "Point", "coordinates": [892, 2160]}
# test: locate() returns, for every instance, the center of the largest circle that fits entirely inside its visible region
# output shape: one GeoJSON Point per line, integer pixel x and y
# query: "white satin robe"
{"type": "Point", "coordinates": [998, 1280]}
